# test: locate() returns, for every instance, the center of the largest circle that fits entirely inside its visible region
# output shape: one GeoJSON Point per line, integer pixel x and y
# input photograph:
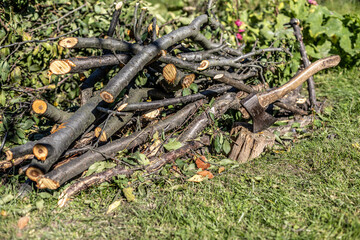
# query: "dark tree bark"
{"type": "Point", "coordinates": [49, 111]}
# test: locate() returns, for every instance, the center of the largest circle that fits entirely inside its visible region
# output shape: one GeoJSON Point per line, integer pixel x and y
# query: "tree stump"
{"type": "Point", "coordinates": [248, 145]}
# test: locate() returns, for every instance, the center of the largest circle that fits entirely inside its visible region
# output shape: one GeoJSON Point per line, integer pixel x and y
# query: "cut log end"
{"type": "Point", "coordinates": [48, 183]}
{"type": "Point", "coordinates": [151, 115]}
{"type": "Point", "coordinates": [63, 199]}
{"type": "Point", "coordinates": [61, 66]}
{"type": "Point", "coordinates": [188, 80]}
{"type": "Point", "coordinates": [121, 107]}
{"type": "Point", "coordinates": [103, 137]}
{"type": "Point", "coordinates": [39, 106]}
{"type": "Point", "coordinates": [5, 165]}
{"type": "Point", "coordinates": [33, 173]}
{"type": "Point", "coordinates": [163, 53]}
{"type": "Point", "coordinates": [40, 152]}
{"type": "Point", "coordinates": [68, 42]}
{"type": "Point", "coordinates": [218, 76]}
{"type": "Point", "coordinates": [203, 65]}
{"type": "Point", "coordinates": [118, 6]}
{"type": "Point", "coordinates": [169, 73]}
{"type": "Point", "coordinates": [9, 155]}
{"type": "Point", "coordinates": [107, 97]}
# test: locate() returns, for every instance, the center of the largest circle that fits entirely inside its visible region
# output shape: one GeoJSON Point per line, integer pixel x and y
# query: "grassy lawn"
{"type": "Point", "coordinates": [311, 191]}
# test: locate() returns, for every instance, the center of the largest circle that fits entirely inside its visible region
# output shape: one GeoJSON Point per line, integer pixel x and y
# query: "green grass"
{"type": "Point", "coordinates": [311, 191]}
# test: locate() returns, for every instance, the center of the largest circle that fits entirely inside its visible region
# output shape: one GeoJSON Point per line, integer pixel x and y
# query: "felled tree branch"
{"type": "Point", "coordinates": [174, 101]}
{"type": "Point", "coordinates": [99, 73]}
{"type": "Point", "coordinates": [220, 106]}
{"type": "Point", "coordinates": [104, 131]}
{"type": "Point", "coordinates": [155, 164]}
{"type": "Point", "coordinates": [65, 172]}
{"type": "Point", "coordinates": [49, 149]}
{"type": "Point", "coordinates": [126, 74]}
{"type": "Point", "coordinates": [81, 64]}
{"type": "Point", "coordinates": [47, 110]}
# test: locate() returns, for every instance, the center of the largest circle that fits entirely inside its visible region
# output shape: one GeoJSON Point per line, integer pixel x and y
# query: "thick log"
{"type": "Point", "coordinates": [49, 149]}
{"type": "Point", "coordinates": [20, 151]}
{"type": "Point", "coordinates": [49, 111]}
{"type": "Point", "coordinates": [67, 171]}
{"type": "Point", "coordinates": [81, 64]}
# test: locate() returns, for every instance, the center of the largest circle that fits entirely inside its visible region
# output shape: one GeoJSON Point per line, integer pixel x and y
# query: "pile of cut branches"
{"type": "Point", "coordinates": [167, 90]}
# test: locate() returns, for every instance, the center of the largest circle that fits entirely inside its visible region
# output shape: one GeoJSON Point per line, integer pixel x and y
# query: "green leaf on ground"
{"type": "Point", "coordinates": [173, 144]}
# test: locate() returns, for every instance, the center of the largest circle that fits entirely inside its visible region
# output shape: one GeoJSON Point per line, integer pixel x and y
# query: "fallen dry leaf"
{"type": "Point", "coordinates": [3, 213]}
{"type": "Point", "coordinates": [196, 178]}
{"type": "Point", "coordinates": [113, 206]}
{"type": "Point", "coordinates": [128, 194]}
{"type": "Point", "coordinates": [206, 174]}
{"type": "Point", "coordinates": [201, 162]}
{"type": "Point", "coordinates": [221, 169]}
{"type": "Point", "coordinates": [23, 222]}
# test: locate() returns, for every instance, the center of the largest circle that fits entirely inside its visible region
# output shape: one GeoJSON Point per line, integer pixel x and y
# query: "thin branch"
{"type": "Point", "coordinates": [59, 19]}
{"type": "Point", "coordinates": [39, 41]}
{"type": "Point", "coordinates": [3, 142]}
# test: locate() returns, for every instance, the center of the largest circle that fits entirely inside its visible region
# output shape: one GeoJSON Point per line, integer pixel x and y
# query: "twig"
{"type": "Point", "coordinates": [4, 25]}
{"type": "Point", "coordinates": [39, 41]}
{"type": "Point", "coordinates": [3, 142]}
{"type": "Point", "coordinates": [8, 56]}
{"type": "Point", "coordinates": [57, 20]}
{"type": "Point", "coordinates": [108, 111]}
